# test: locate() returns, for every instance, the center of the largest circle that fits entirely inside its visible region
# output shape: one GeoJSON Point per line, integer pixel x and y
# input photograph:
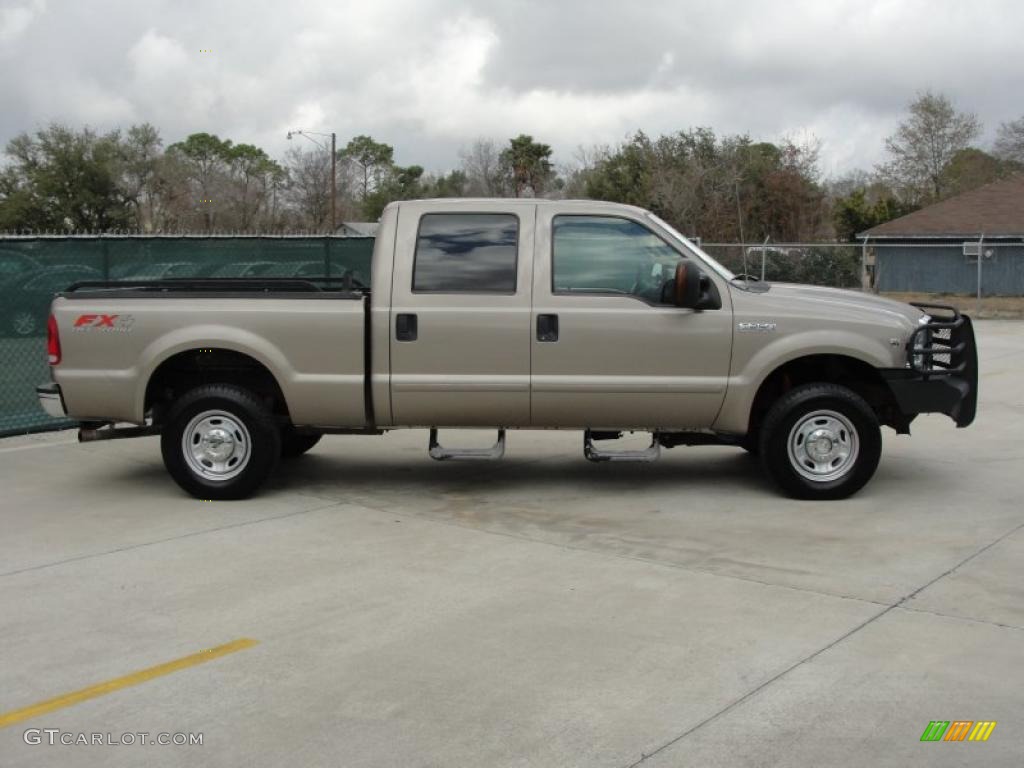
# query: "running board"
{"type": "Point", "coordinates": [593, 453]}
{"type": "Point", "coordinates": [440, 453]}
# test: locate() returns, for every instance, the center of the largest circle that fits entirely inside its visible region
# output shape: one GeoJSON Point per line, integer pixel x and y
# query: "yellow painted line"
{"type": "Point", "coordinates": [101, 689]}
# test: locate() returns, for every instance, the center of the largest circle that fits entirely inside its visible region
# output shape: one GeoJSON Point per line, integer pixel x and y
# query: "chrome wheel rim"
{"type": "Point", "coordinates": [216, 445]}
{"type": "Point", "coordinates": [823, 446]}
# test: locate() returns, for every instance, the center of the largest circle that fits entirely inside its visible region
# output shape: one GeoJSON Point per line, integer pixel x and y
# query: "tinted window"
{"type": "Point", "coordinates": [604, 254]}
{"type": "Point", "coordinates": [466, 253]}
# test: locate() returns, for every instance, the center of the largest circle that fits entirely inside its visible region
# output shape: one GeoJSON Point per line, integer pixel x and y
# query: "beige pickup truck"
{"type": "Point", "coordinates": [508, 314]}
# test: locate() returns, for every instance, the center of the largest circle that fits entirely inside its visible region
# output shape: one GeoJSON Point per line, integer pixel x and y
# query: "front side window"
{"type": "Point", "coordinates": [606, 254]}
{"type": "Point", "coordinates": [466, 253]}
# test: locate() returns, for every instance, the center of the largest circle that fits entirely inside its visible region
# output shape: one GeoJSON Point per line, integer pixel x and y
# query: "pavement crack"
{"type": "Point", "coordinates": [870, 620]}
{"type": "Point", "coordinates": [180, 536]}
{"type": "Point", "coordinates": [969, 619]}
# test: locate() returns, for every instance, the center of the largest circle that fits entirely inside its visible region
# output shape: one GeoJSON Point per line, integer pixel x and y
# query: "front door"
{"type": "Point", "coordinates": [460, 315]}
{"type": "Point", "coordinates": [607, 350]}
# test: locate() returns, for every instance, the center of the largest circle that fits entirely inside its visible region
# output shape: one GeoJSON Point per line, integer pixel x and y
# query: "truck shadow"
{"type": "Point", "coordinates": [551, 473]}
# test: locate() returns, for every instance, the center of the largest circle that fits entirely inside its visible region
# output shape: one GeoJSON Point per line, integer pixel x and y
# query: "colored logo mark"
{"type": "Point", "coordinates": [958, 730]}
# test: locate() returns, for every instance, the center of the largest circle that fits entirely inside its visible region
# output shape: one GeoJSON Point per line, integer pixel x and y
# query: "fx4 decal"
{"type": "Point", "coordinates": [108, 323]}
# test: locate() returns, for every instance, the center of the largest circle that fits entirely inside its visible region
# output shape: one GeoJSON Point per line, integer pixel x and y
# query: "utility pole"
{"type": "Point", "coordinates": [981, 251]}
{"type": "Point", "coordinates": [764, 254]}
{"type": "Point", "coordinates": [865, 284]}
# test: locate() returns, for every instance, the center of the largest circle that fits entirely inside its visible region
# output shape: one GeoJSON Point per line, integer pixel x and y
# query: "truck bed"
{"type": "Point", "coordinates": [310, 334]}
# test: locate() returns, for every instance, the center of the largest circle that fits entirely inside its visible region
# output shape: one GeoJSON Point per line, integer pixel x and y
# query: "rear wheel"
{"type": "Point", "coordinates": [820, 441]}
{"type": "Point", "coordinates": [220, 442]}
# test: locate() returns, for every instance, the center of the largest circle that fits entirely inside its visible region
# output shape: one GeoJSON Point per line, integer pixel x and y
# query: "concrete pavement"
{"type": "Point", "coordinates": [539, 611]}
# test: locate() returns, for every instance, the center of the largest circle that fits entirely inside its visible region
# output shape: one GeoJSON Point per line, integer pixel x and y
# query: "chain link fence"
{"type": "Point", "coordinates": [981, 267]}
{"type": "Point", "coordinates": [32, 269]}
{"type": "Point", "coordinates": [831, 264]}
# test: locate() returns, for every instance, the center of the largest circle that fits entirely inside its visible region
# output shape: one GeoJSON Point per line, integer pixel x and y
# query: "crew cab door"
{"type": "Point", "coordinates": [607, 352]}
{"type": "Point", "coordinates": [460, 315]}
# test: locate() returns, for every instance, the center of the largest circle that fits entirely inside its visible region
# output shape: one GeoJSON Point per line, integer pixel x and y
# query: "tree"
{"type": "Point", "coordinates": [481, 167]}
{"type": "Point", "coordinates": [971, 168]}
{"type": "Point", "coordinates": [215, 182]}
{"type": "Point", "coordinates": [63, 179]}
{"type": "Point", "coordinates": [395, 183]}
{"type": "Point", "coordinates": [526, 165]}
{"type": "Point", "coordinates": [254, 180]}
{"type": "Point", "coordinates": [141, 153]}
{"type": "Point", "coordinates": [1010, 142]}
{"type": "Point", "coordinates": [856, 213]}
{"type": "Point", "coordinates": [454, 184]}
{"type": "Point", "coordinates": [623, 175]}
{"type": "Point", "coordinates": [924, 144]}
{"type": "Point", "coordinates": [309, 187]}
{"type": "Point", "coordinates": [204, 159]}
{"type": "Point", "coordinates": [724, 188]}
{"type": "Point", "coordinates": [372, 162]}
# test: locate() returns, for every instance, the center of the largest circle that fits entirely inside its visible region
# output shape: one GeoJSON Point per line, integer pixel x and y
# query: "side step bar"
{"type": "Point", "coordinates": [89, 434]}
{"type": "Point", "coordinates": [593, 453]}
{"type": "Point", "coordinates": [440, 453]}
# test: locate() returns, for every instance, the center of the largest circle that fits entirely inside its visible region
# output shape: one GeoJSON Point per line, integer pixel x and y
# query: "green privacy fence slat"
{"type": "Point", "coordinates": [32, 269]}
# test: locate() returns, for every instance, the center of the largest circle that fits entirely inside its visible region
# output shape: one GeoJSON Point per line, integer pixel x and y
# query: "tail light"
{"type": "Point", "coordinates": [52, 341]}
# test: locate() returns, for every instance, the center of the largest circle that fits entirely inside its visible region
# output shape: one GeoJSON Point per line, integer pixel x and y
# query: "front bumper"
{"type": "Point", "coordinates": [942, 375]}
{"type": "Point", "coordinates": [51, 400]}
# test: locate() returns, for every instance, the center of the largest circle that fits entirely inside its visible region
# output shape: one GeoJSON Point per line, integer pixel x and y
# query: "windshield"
{"type": "Point", "coordinates": [669, 229]}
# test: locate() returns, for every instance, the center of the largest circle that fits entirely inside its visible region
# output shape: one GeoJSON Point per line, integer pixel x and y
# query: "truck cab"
{"type": "Point", "coordinates": [528, 314]}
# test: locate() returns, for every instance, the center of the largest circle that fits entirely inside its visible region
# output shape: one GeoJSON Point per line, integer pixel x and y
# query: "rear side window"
{"type": "Point", "coordinates": [466, 253]}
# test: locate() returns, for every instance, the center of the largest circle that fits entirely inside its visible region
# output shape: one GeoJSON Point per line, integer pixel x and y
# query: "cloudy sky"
{"type": "Point", "coordinates": [428, 76]}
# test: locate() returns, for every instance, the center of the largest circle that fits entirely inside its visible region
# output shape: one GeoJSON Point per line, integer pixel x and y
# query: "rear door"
{"type": "Point", "coordinates": [460, 314]}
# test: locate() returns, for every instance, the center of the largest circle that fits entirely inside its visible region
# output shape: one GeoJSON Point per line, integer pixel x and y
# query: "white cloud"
{"type": "Point", "coordinates": [431, 75]}
{"type": "Point", "coordinates": [14, 20]}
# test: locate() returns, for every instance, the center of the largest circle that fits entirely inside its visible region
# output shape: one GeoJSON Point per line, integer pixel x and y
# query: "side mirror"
{"type": "Point", "coordinates": [691, 289]}
{"type": "Point", "coordinates": [686, 285]}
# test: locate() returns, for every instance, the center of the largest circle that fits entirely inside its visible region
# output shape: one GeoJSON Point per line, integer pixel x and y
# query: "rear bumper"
{"type": "Point", "coordinates": [943, 373]}
{"type": "Point", "coordinates": [51, 400]}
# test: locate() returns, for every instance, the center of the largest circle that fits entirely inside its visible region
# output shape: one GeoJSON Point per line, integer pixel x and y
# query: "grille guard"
{"type": "Point", "coordinates": [942, 368]}
{"type": "Point", "coordinates": [940, 346]}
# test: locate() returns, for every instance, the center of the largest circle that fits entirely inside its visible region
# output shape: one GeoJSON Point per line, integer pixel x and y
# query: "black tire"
{"type": "Point", "coordinates": [296, 443]}
{"type": "Point", "coordinates": [751, 444]}
{"type": "Point", "coordinates": [242, 415]}
{"type": "Point", "coordinates": [788, 456]}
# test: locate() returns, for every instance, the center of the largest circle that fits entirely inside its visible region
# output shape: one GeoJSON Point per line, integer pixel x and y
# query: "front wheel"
{"type": "Point", "coordinates": [220, 442]}
{"type": "Point", "coordinates": [820, 441]}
